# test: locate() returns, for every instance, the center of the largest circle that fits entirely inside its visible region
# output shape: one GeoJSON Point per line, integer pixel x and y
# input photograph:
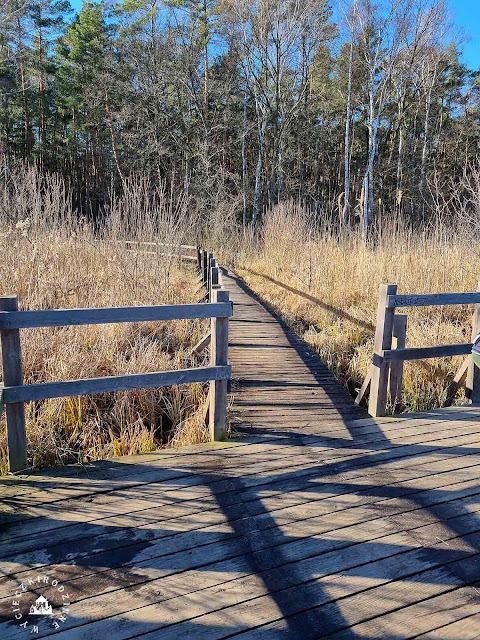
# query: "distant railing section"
{"type": "Point", "coordinates": [385, 375]}
{"type": "Point", "coordinates": [15, 393]}
{"type": "Point", "coordinates": [169, 250]}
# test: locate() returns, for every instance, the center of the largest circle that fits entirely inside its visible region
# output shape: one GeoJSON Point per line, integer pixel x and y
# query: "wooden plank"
{"type": "Point", "coordinates": [145, 252]}
{"type": "Point", "coordinates": [13, 375]}
{"type": "Point", "coordinates": [301, 610]}
{"type": "Point", "coordinates": [110, 517]}
{"type": "Point", "coordinates": [157, 244]}
{"type": "Point", "coordinates": [422, 353]}
{"type": "Point", "coordinates": [69, 317]}
{"type": "Point", "coordinates": [383, 341]}
{"type": "Point", "coordinates": [432, 299]}
{"type": "Point", "coordinates": [73, 473]}
{"type": "Point", "coordinates": [184, 501]}
{"type": "Point", "coordinates": [390, 427]}
{"type": "Point", "coordinates": [403, 458]}
{"type": "Point", "coordinates": [28, 393]}
{"type": "Point", "coordinates": [292, 532]}
{"type": "Point", "coordinates": [465, 628]}
{"type": "Point", "coordinates": [334, 553]}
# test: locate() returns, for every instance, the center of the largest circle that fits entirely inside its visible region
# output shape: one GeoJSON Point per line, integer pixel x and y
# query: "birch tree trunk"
{"type": "Point", "coordinates": [346, 208]}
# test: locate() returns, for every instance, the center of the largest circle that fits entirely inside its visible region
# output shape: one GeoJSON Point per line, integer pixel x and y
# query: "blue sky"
{"type": "Point", "coordinates": [466, 15]}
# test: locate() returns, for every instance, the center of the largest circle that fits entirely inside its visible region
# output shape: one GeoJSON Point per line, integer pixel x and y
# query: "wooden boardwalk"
{"type": "Point", "coordinates": [318, 522]}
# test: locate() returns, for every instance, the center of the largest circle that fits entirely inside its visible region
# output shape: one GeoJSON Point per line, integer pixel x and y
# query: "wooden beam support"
{"type": "Point", "coordinates": [377, 404]}
{"type": "Point", "coordinates": [457, 382]}
{"type": "Point", "coordinates": [396, 368]}
{"type": "Point", "coordinates": [13, 375]}
{"type": "Point", "coordinates": [361, 395]}
{"type": "Point", "coordinates": [202, 344]}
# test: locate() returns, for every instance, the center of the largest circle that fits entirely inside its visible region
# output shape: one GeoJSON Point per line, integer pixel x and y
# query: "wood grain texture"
{"type": "Point", "coordinates": [377, 401]}
{"type": "Point", "coordinates": [13, 375]}
{"type": "Point", "coordinates": [315, 521]}
{"type": "Point", "coordinates": [71, 317]}
{"type": "Point", "coordinates": [42, 391]}
{"type": "Point", "coordinates": [423, 353]}
{"type": "Point", "coordinates": [432, 299]}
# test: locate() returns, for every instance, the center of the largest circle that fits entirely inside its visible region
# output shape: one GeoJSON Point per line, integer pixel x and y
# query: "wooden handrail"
{"type": "Point", "coordinates": [385, 374]}
{"type": "Point", "coordinates": [424, 353]}
{"type": "Point", "coordinates": [70, 388]}
{"type": "Point", "coordinates": [432, 299]}
{"type": "Point", "coordinates": [15, 393]}
{"type": "Point", "coordinates": [75, 317]}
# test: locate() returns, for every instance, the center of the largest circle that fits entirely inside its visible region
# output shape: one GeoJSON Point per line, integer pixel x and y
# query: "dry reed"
{"type": "Point", "coordinates": [54, 258]}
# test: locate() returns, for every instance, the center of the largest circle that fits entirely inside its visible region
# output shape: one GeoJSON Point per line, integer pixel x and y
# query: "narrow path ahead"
{"type": "Point", "coordinates": [279, 382]}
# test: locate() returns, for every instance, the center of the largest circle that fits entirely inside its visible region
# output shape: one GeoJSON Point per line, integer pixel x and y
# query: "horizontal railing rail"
{"type": "Point", "coordinates": [45, 390]}
{"type": "Point", "coordinates": [15, 393]}
{"type": "Point", "coordinates": [72, 317]}
{"type": "Point", "coordinates": [162, 249]}
{"type": "Point", "coordinates": [432, 299]}
{"type": "Point", "coordinates": [384, 378]}
{"type": "Point", "coordinates": [424, 353]}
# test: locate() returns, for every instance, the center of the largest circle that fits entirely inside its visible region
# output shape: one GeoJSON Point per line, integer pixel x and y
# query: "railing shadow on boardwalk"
{"type": "Point", "coordinates": [249, 545]}
{"type": "Point", "coordinates": [339, 313]}
{"type": "Point", "coordinates": [336, 311]}
{"type": "Point", "coordinates": [288, 567]}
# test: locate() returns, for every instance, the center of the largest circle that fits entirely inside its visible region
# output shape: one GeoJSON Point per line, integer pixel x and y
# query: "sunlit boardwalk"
{"type": "Point", "coordinates": [316, 521]}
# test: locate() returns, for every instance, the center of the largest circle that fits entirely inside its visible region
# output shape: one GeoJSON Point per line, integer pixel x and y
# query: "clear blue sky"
{"type": "Point", "coordinates": [466, 14]}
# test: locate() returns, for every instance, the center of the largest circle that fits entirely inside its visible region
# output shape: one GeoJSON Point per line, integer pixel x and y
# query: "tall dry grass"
{"type": "Point", "coordinates": [52, 257]}
{"type": "Point", "coordinates": [324, 281]}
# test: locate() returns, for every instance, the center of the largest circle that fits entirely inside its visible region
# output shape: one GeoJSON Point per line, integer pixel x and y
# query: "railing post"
{"type": "Point", "coordinates": [199, 259]}
{"type": "Point", "coordinates": [209, 274]}
{"type": "Point", "coordinates": [396, 368]}
{"type": "Point", "coordinates": [377, 404]}
{"type": "Point", "coordinates": [472, 386]}
{"type": "Point", "coordinates": [213, 278]}
{"type": "Point", "coordinates": [204, 268]}
{"type": "Point", "coordinates": [13, 376]}
{"type": "Point", "coordinates": [219, 357]}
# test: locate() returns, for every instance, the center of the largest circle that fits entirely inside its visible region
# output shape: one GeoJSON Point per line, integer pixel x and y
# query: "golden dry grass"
{"type": "Point", "coordinates": [325, 284]}
{"type": "Point", "coordinates": [60, 261]}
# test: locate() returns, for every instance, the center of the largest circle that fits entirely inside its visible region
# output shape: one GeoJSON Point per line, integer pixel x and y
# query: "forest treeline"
{"type": "Point", "coordinates": [357, 110]}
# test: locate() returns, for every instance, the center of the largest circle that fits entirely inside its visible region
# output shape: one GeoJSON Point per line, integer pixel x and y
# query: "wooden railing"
{"type": "Point", "coordinates": [15, 393]}
{"type": "Point", "coordinates": [384, 378]}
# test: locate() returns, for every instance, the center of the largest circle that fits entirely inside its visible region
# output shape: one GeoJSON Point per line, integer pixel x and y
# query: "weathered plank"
{"type": "Point", "coordinates": [422, 353]}
{"type": "Point", "coordinates": [13, 375]}
{"type": "Point", "coordinates": [41, 391]}
{"type": "Point", "coordinates": [432, 299]}
{"type": "Point", "coordinates": [73, 317]}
